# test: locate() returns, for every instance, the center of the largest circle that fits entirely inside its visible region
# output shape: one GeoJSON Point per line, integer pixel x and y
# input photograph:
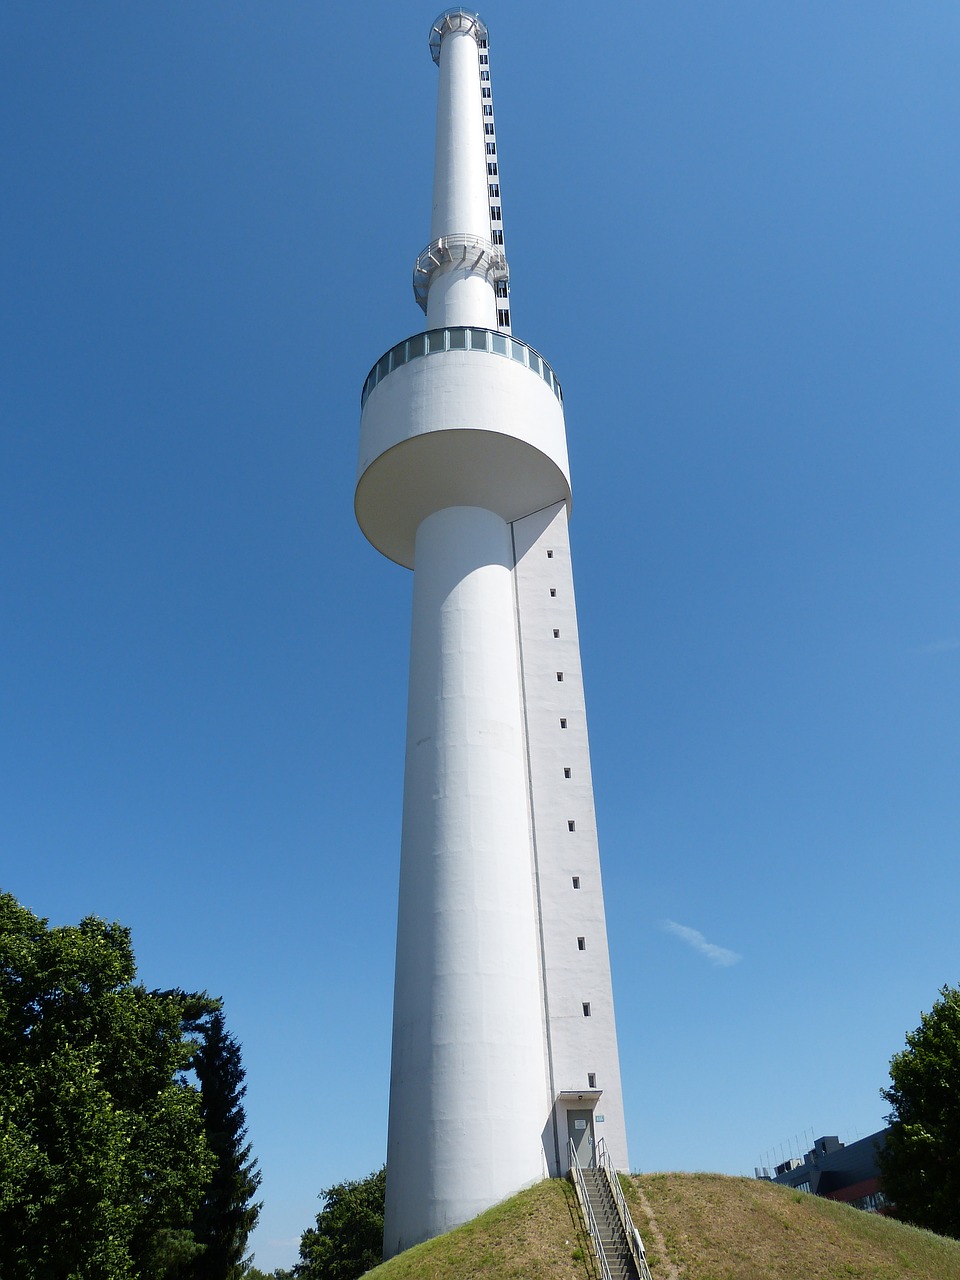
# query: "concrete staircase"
{"type": "Point", "coordinates": [616, 1248]}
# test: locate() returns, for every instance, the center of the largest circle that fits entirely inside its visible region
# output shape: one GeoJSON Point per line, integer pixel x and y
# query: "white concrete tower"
{"type": "Point", "coordinates": [504, 1043]}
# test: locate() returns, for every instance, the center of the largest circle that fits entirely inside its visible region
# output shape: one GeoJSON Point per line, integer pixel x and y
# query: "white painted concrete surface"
{"type": "Point", "coordinates": [460, 201]}
{"type": "Point", "coordinates": [468, 1095]}
{"type": "Point", "coordinates": [457, 428]}
{"type": "Point", "coordinates": [578, 1047]}
{"type": "Point", "coordinates": [463, 476]}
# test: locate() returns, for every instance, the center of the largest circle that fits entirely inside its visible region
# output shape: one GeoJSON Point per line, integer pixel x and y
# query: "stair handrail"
{"type": "Point", "coordinates": [592, 1228]}
{"type": "Point", "coordinates": [634, 1239]}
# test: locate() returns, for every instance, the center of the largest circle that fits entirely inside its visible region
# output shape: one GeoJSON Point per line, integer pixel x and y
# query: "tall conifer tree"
{"type": "Point", "coordinates": [228, 1214]}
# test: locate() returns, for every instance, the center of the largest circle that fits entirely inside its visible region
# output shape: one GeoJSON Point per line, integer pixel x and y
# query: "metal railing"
{"type": "Point", "coordinates": [634, 1239]}
{"type": "Point", "coordinates": [584, 1198]}
{"type": "Point", "coordinates": [476, 253]}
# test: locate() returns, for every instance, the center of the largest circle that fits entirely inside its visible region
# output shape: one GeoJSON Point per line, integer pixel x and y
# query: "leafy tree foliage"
{"type": "Point", "coordinates": [113, 1164]}
{"type": "Point", "coordinates": [921, 1163]}
{"type": "Point", "coordinates": [348, 1238]}
{"type": "Point", "coordinates": [227, 1213]}
{"type": "Point", "coordinates": [102, 1151]}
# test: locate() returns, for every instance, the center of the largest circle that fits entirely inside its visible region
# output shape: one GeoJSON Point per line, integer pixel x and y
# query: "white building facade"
{"type": "Point", "coordinates": [504, 1041]}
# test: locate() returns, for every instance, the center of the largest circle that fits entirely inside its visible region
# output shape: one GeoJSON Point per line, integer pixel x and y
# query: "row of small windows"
{"type": "Point", "coordinates": [484, 75]}
{"type": "Point", "coordinates": [574, 880]}
{"type": "Point", "coordinates": [491, 148]}
{"type": "Point", "coordinates": [487, 109]}
{"type": "Point", "coordinates": [485, 91]}
{"type": "Point", "coordinates": [495, 190]}
{"type": "Point", "coordinates": [492, 170]}
{"type": "Point", "coordinates": [568, 773]}
{"type": "Point", "coordinates": [462, 339]}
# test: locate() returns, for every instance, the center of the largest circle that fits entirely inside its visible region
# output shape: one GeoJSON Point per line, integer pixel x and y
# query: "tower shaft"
{"type": "Point", "coordinates": [468, 1080]}
{"type": "Point", "coordinates": [504, 1042]}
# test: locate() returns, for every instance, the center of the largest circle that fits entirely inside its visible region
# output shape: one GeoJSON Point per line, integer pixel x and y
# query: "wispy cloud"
{"type": "Point", "coordinates": [938, 646]}
{"type": "Point", "coordinates": [720, 956]}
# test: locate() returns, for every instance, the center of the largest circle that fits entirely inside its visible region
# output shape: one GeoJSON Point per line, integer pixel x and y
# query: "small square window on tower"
{"type": "Point", "coordinates": [553, 591]}
{"type": "Point", "coordinates": [576, 882]}
{"type": "Point", "coordinates": [591, 1079]}
{"type": "Point", "coordinates": [567, 773]}
{"type": "Point", "coordinates": [556, 633]}
{"type": "Point", "coordinates": [571, 825]}
{"type": "Point", "coordinates": [586, 1008]}
{"type": "Point", "coordinates": [559, 677]}
{"type": "Point", "coordinates": [563, 722]}
{"type": "Point", "coordinates": [581, 944]}
{"type": "Point", "coordinates": [549, 555]}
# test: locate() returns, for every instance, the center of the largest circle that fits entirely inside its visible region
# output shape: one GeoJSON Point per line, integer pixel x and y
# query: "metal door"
{"type": "Point", "coordinates": [580, 1133]}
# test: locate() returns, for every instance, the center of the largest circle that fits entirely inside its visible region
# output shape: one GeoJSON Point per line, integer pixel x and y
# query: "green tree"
{"type": "Point", "coordinates": [103, 1156]}
{"type": "Point", "coordinates": [921, 1162]}
{"type": "Point", "coordinates": [228, 1212]}
{"type": "Point", "coordinates": [348, 1238]}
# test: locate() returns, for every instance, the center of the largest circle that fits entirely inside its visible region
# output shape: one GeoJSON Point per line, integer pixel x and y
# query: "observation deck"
{"type": "Point", "coordinates": [459, 338]}
{"type": "Point", "coordinates": [459, 416]}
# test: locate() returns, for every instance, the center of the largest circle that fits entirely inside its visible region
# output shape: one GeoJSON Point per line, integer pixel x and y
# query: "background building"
{"type": "Point", "coordinates": [849, 1173]}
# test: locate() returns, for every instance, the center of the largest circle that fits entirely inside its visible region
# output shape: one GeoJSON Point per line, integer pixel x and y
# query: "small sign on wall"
{"type": "Point", "coordinates": [599, 1119]}
{"type": "Point", "coordinates": [579, 1124]}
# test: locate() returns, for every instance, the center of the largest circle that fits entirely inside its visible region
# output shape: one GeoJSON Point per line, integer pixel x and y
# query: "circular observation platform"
{"type": "Point", "coordinates": [478, 256]}
{"type": "Point", "coordinates": [457, 19]}
{"type": "Point", "coordinates": [457, 417]}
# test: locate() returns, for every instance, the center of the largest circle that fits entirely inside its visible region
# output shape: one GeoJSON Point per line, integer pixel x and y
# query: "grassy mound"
{"type": "Point", "coordinates": [717, 1228]}
{"type": "Point", "coordinates": [704, 1227]}
{"type": "Point", "coordinates": [536, 1235]}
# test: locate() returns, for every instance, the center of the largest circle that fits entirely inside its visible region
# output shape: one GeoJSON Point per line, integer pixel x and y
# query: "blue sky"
{"type": "Point", "coordinates": [733, 232]}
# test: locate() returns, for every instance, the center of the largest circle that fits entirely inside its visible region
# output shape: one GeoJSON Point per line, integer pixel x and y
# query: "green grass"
{"type": "Point", "coordinates": [709, 1228]}
{"type": "Point", "coordinates": [718, 1228]}
{"type": "Point", "coordinates": [536, 1235]}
